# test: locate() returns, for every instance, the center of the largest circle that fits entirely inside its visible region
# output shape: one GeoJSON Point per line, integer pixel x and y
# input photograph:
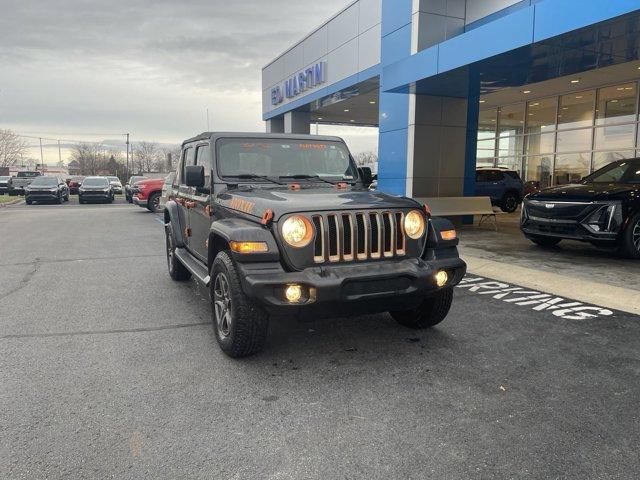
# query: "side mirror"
{"type": "Point", "coordinates": [365, 176]}
{"type": "Point", "coordinates": [194, 176]}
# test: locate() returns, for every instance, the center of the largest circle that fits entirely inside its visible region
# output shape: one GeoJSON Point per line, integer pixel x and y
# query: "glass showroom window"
{"type": "Point", "coordinates": [617, 104]}
{"type": "Point", "coordinates": [572, 167]}
{"type": "Point", "coordinates": [486, 149]}
{"type": "Point", "coordinates": [538, 170]}
{"type": "Point", "coordinates": [576, 111]}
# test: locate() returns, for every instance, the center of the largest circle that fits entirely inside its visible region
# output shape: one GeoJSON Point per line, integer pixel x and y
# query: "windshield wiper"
{"type": "Point", "coordinates": [306, 177]}
{"type": "Point", "coordinates": [249, 176]}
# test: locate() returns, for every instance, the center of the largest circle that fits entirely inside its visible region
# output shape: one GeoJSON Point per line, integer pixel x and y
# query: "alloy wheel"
{"type": "Point", "coordinates": [635, 236]}
{"type": "Point", "coordinates": [155, 203]}
{"type": "Point", "coordinates": [222, 305]}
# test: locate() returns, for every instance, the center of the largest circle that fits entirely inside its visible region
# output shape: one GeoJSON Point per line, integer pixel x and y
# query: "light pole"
{"type": "Point", "coordinates": [127, 155]}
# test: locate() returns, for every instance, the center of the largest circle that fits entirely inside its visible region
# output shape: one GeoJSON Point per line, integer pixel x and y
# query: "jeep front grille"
{"type": "Point", "coordinates": [358, 236]}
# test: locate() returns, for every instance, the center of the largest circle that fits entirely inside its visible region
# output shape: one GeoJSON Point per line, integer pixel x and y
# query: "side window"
{"type": "Point", "coordinates": [188, 158]}
{"type": "Point", "coordinates": [481, 176]}
{"type": "Point", "coordinates": [203, 157]}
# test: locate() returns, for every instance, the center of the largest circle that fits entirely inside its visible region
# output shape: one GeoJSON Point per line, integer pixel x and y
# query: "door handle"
{"type": "Point", "coordinates": [190, 204]}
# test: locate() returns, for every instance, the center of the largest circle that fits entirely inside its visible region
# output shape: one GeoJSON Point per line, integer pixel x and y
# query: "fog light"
{"type": "Point", "coordinates": [293, 293]}
{"type": "Point", "coordinates": [442, 278]}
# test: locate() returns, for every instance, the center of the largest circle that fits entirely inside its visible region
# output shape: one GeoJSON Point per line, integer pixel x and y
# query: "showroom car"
{"type": "Point", "coordinates": [46, 189]}
{"type": "Point", "coordinates": [603, 209]}
{"type": "Point", "coordinates": [96, 189]}
{"type": "Point", "coordinates": [505, 187]}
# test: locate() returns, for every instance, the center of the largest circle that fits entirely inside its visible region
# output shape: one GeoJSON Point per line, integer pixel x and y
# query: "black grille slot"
{"type": "Point", "coordinates": [361, 233]}
{"type": "Point", "coordinates": [388, 238]}
{"type": "Point", "coordinates": [347, 236]}
{"type": "Point", "coordinates": [318, 245]}
{"type": "Point", "coordinates": [375, 234]}
{"type": "Point", "coordinates": [399, 233]}
{"type": "Point", "coordinates": [332, 229]}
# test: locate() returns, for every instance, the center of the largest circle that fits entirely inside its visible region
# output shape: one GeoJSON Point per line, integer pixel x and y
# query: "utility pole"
{"type": "Point", "coordinates": [41, 155]}
{"type": "Point", "coordinates": [127, 155]}
{"type": "Point", "coordinates": [59, 152]}
{"type": "Point", "coordinates": [207, 119]}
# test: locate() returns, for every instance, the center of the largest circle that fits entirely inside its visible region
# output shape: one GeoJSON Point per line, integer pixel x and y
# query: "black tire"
{"type": "Point", "coordinates": [509, 202]}
{"type": "Point", "coordinates": [28, 201]}
{"type": "Point", "coordinates": [66, 198]}
{"type": "Point", "coordinates": [243, 326]}
{"type": "Point", "coordinates": [544, 242]}
{"type": "Point", "coordinates": [177, 271]}
{"type": "Point", "coordinates": [153, 204]}
{"type": "Point", "coordinates": [59, 199]}
{"type": "Point", "coordinates": [630, 246]}
{"type": "Point", "coordinates": [430, 313]}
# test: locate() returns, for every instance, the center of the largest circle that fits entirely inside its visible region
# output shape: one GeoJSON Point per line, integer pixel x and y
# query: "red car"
{"type": "Point", "coordinates": [147, 193]}
{"type": "Point", "coordinates": [74, 184]}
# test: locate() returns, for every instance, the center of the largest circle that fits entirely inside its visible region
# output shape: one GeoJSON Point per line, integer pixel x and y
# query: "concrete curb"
{"type": "Point", "coordinates": [600, 294]}
{"type": "Point", "coordinates": [14, 202]}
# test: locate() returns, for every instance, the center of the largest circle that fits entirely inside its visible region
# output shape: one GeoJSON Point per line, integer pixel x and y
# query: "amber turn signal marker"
{"type": "Point", "coordinates": [249, 247]}
{"type": "Point", "coordinates": [449, 235]}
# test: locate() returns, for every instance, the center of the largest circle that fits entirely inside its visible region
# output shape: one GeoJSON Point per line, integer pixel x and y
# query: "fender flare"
{"type": "Point", "coordinates": [241, 230]}
{"type": "Point", "coordinates": [171, 216]}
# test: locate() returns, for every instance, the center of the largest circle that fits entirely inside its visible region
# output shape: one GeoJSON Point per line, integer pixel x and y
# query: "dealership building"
{"type": "Point", "coordinates": [546, 87]}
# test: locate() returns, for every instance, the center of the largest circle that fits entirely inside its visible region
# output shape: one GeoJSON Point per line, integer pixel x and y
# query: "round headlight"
{"type": "Point", "coordinates": [297, 231]}
{"type": "Point", "coordinates": [414, 224]}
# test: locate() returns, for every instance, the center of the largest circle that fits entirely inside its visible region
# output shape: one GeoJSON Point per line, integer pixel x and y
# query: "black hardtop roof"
{"type": "Point", "coordinates": [260, 135]}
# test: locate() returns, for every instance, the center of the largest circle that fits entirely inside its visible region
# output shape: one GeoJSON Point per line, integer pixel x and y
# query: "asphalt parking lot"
{"type": "Point", "coordinates": [111, 370]}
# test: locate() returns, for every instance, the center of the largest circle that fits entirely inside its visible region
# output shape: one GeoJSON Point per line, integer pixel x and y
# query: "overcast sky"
{"type": "Point", "coordinates": [149, 67]}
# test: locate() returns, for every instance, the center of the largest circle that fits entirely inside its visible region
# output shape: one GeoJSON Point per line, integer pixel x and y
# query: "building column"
{"type": "Point", "coordinates": [275, 125]}
{"type": "Point", "coordinates": [439, 144]}
{"type": "Point", "coordinates": [297, 122]}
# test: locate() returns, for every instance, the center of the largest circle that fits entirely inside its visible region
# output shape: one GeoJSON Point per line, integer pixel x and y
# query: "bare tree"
{"type": "Point", "coordinates": [366, 159]}
{"type": "Point", "coordinates": [12, 148]}
{"type": "Point", "coordinates": [92, 157]}
{"type": "Point", "coordinates": [170, 155]}
{"type": "Point", "coordinates": [146, 157]}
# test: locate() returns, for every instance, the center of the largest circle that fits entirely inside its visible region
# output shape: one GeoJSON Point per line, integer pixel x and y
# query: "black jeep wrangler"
{"type": "Point", "coordinates": [284, 224]}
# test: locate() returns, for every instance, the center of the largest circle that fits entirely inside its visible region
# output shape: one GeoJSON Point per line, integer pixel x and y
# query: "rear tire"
{"type": "Point", "coordinates": [432, 311]}
{"type": "Point", "coordinates": [28, 201]}
{"type": "Point", "coordinates": [59, 199]}
{"type": "Point", "coordinates": [509, 203]}
{"type": "Point", "coordinates": [630, 246]}
{"type": "Point", "coordinates": [544, 242]}
{"type": "Point", "coordinates": [240, 325]}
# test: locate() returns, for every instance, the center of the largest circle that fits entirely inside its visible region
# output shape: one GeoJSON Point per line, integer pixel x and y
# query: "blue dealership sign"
{"type": "Point", "coordinates": [309, 78]}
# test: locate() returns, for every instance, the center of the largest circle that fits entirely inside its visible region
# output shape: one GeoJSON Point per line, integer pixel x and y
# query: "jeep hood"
{"type": "Point", "coordinates": [284, 201]}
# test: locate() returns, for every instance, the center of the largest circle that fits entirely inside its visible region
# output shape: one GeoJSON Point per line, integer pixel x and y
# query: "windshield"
{"type": "Point", "coordinates": [45, 182]}
{"type": "Point", "coordinates": [285, 158]}
{"type": "Point", "coordinates": [114, 179]}
{"type": "Point", "coordinates": [95, 182]}
{"type": "Point", "coordinates": [27, 174]}
{"type": "Point", "coordinates": [4, 179]}
{"type": "Point", "coordinates": [624, 172]}
{"type": "Point", "coordinates": [135, 179]}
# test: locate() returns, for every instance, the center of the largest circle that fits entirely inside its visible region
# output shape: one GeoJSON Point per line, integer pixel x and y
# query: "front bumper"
{"type": "Point", "coordinates": [94, 196]}
{"type": "Point", "coordinates": [141, 202]}
{"type": "Point", "coordinates": [343, 289]}
{"type": "Point", "coordinates": [41, 197]}
{"type": "Point", "coordinates": [593, 222]}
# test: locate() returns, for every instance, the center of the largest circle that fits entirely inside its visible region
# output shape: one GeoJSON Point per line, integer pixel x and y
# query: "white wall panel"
{"type": "Point", "coordinates": [477, 9]}
{"type": "Point", "coordinates": [316, 45]}
{"type": "Point", "coordinates": [293, 60]}
{"type": "Point", "coordinates": [369, 48]}
{"type": "Point", "coordinates": [273, 73]}
{"type": "Point", "coordinates": [344, 27]}
{"type": "Point", "coordinates": [370, 14]}
{"type": "Point", "coordinates": [343, 61]}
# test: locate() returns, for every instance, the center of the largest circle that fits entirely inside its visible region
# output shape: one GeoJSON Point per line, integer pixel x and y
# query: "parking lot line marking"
{"type": "Point", "coordinates": [600, 294]}
{"type": "Point", "coordinates": [102, 332]}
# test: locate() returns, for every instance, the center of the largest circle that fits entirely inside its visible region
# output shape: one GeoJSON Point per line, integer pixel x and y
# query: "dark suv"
{"type": "Point", "coordinates": [46, 189]}
{"type": "Point", "coordinates": [284, 224]}
{"type": "Point", "coordinates": [504, 186]}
